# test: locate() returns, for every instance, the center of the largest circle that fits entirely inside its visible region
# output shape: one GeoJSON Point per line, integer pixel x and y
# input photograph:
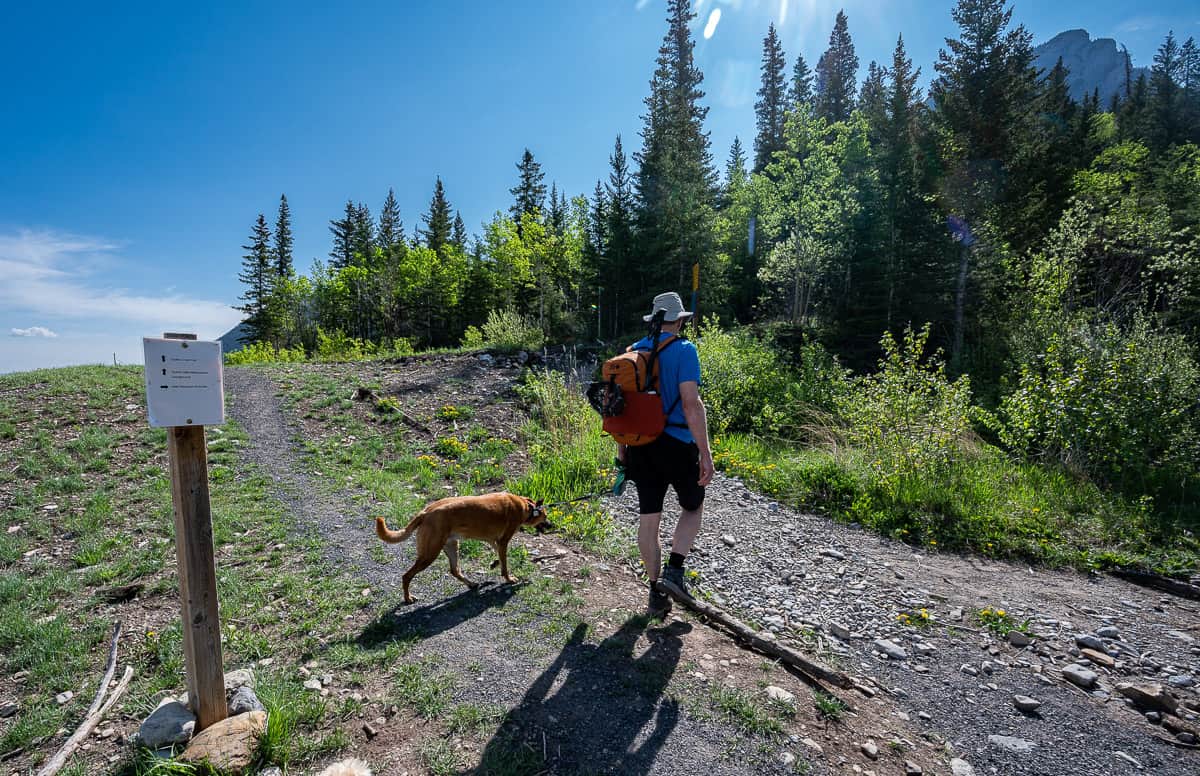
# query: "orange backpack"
{"type": "Point", "coordinates": [627, 397]}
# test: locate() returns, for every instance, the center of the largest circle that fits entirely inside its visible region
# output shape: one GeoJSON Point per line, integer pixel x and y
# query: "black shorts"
{"type": "Point", "coordinates": [666, 461]}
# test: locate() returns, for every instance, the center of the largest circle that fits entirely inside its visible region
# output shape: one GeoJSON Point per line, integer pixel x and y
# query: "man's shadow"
{"type": "Point", "coordinates": [595, 709]}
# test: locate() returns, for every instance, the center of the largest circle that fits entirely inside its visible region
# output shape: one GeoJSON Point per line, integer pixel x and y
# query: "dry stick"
{"type": "Point", "coordinates": [94, 713]}
{"type": "Point", "coordinates": [810, 668]}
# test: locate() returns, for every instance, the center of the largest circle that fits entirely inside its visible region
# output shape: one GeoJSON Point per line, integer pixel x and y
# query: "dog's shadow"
{"type": "Point", "coordinates": [428, 619]}
{"type": "Point", "coordinates": [597, 708]}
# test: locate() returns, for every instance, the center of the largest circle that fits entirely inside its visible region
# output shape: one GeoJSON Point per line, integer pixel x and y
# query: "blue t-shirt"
{"type": "Point", "coordinates": [678, 363]}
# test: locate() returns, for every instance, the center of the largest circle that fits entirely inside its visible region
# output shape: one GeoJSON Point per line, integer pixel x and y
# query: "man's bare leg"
{"type": "Point", "coordinates": [686, 530]}
{"type": "Point", "coordinates": [648, 544]}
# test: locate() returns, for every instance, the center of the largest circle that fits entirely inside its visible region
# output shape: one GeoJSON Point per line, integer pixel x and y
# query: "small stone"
{"type": "Point", "coordinates": [8, 709]}
{"type": "Point", "coordinates": [1011, 744]}
{"type": "Point", "coordinates": [829, 552]}
{"type": "Point", "coordinates": [63, 697]}
{"type": "Point", "coordinates": [986, 667]}
{"type": "Point", "coordinates": [1026, 704]}
{"type": "Point", "coordinates": [1099, 658]}
{"type": "Point", "coordinates": [244, 700]}
{"type": "Point", "coordinates": [266, 661]}
{"type": "Point", "coordinates": [1153, 717]}
{"type": "Point", "coordinates": [171, 723]}
{"type": "Point", "coordinates": [956, 613]}
{"type": "Point", "coordinates": [961, 768]}
{"type": "Point", "coordinates": [1122, 756]}
{"type": "Point", "coordinates": [1019, 639]}
{"type": "Point", "coordinates": [1089, 641]}
{"type": "Point", "coordinates": [1078, 675]}
{"type": "Point", "coordinates": [912, 769]}
{"type": "Point", "coordinates": [243, 677]}
{"type": "Point", "coordinates": [369, 730]}
{"type": "Point", "coordinates": [890, 648]}
{"type": "Point", "coordinates": [870, 750]}
{"type": "Point", "coordinates": [781, 695]}
{"type": "Point", "coordinates": [312, 684]}
{"type": "Point", "coordinates": [326, 679]}
{"type": "Point", "coordinates": [1149, 696]}
{"type": "Point", "coordinates": [274, 770]}
{"type": "Point", "coordinates": [839, 630]}
{"type": "Point", "coordinates": [1186, 737]}
{"type": "Point", "coordinates": [1182, 681]}
{"type": "Point", "coordinates": [1108, 632]}
{"type": "Point", "coordinates": [728, 539]}
{"type": "Point", "coordinates": [787, 759]}
{"type": "Point", "coordinates": [924, 715]}
{"type": "Point", "coordinates": [813, 745]}
{"type": "Point", "coordinates": [969, 669]}
{"type": "Point", "coordinates": [12, 529]}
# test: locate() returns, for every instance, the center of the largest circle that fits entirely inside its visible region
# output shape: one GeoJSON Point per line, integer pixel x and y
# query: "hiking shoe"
{"type": "Point", "coordinates": [675, 577]}
{"type": "Point", "coordinates": [660, 603]}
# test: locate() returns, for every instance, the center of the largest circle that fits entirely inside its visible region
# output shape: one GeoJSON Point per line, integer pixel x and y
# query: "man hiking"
{"type": "Point", "coordinates": [679, 457]}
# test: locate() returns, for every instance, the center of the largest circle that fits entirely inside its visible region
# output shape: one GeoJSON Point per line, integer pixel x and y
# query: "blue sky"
{"type": "Point", "coordinates": [139, 141]}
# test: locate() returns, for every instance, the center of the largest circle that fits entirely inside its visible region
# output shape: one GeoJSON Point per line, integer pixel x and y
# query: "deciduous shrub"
{"type": "Point", "coordinates": [506, 331]}
{"type": "Point", "coordinates": [1117, 405]}
{"type": "Point", "coordinates": [908, 418]}
{"type": "Point", "coordinates": [263, 353]}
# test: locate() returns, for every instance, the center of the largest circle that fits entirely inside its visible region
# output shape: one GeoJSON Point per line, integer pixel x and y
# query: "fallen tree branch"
{"type": "Point", "coordinates": [362, 393]}
{"type": "Point", "coordinates": [810, 668]}
{"type": "Point", "coordinates": [555, 556]}
{"type": "Point", "coordinates": [95, 712]}
{"type": "Point", "coordinates": [1159, 582]}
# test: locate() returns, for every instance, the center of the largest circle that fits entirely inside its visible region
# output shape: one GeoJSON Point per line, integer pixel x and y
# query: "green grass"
{"type": "Point", "coordinates": [984, 503]}
{"type": "Point", "coordinates": [829, 707]}
{"type": "Point", "coordinates": [743, 711]}
{"type": "Point", "coordinates": [423, 688]}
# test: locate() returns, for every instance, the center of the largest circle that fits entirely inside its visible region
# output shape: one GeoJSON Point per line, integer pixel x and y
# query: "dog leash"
{"type": "Point", "coordinates": [617, 489]}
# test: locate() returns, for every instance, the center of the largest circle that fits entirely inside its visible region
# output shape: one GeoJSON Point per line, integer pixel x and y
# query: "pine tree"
{"type": "Point", "coordinates": [984, 90]}
{"type": "Point", "coordinates": [558, 210]}
{"type": "Point", "coordinates": [769, 110]}
{"type": "Point", "coordinates": [390, 233]}
{"type": "Point", "coordinates": [735, 169]}
{"type": "Point", "coordinates": [837, 74]}
{"type": "Point", "coordinates": [459, 238]}
{"type": "Point", "coordinates": [623, 275]}
{"type": "Point", "coordinates": [362, 236]}
{"type": "Point", "coordinates": [800, 91]}
{"type": "Point", "coordinates": [342, 229]}
{"type": "Point", "coordinates": [258, 273]}
{"type": "Point", "coordinates": [1164, 111]}
{"type": "Point", "coordinates": [676, 182]}
{"type": "Point", "coordinates": [283, 239]}
{"type": "Point", "coordinates": [437, 231]}
{"type": "Point", "coordinates": [530, 192]}
{"type": "Point", "coordinates": [873, 100]}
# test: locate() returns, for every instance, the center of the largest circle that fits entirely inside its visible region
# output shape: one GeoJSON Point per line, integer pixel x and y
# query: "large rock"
{"type": "Point", "coordinates": [890, 648]}
{"type": "Point", "coordinates": [961, 768]}
{"type": "Point", "coordinates": [1091, 64]}
{"type": "Point", "coordinates": [171, 723]}
{"type": "Point", "coordinates": [244, 700]}
{"type": "Point", "coordinates": [1078, 675]}
{"type": "Point", "coordinates": [234, 680]}
{"type": "Point", "coordinates": [229, 745]}
{"type": "Point", "coordinates": [1149, 697]}
{"type": "Point", "coordinates": [1011, 744]}
{"type": "Point", "coordinates": [781, 695]}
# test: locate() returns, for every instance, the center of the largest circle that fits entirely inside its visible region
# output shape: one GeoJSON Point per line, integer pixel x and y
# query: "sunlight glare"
{"type": "Point", "coordinates": [714, 19]}
{"type": "Point", "coordinates": [783, 12]}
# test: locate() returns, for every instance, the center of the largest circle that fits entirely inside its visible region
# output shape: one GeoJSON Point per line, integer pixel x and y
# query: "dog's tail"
{"type": "Point", "coordinates": [395, 537]}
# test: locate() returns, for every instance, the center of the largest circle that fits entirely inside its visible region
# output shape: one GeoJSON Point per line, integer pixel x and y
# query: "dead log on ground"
{"type": "Point", "coordinates": [810, 668]}
{"type": "Point", "coordinates": [362, 393]}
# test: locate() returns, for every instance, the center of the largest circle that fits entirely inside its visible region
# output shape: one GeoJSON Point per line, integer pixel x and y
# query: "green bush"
{"type": "Point", "coordinates": [338, 346]}
{"type": "Point", "coordinates": [1117, 405]}
{"type": "Point", "coordinates": [908, 418]}
{"type": "Point", "coordinates": [506, 331]}
{"type": "Point", "coordinates": [748, 387]}
{"type": "Point", "coordinates": [263, 353]}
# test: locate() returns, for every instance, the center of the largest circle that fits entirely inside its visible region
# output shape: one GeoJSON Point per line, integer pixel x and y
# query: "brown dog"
{"type": "Point", "coordinates": [494, 518]}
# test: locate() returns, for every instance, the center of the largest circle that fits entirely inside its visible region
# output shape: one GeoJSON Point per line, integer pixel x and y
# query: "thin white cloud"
{"type": "Point", "coordinates": [33, 331]}
{"type": "Point", "coordinates": [49, 273]}
{"type": "Point", "coordinates": [714, 19]}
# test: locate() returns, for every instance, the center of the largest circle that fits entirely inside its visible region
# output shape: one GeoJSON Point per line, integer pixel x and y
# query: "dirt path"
{"type": "Point", "coordinates": [610, 702]}
{"type": "Point", "coordinates": [598, 705]}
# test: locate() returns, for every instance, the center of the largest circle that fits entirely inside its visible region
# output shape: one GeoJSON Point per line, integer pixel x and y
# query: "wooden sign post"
{"type": "Point", "coordinates": [184, 390]}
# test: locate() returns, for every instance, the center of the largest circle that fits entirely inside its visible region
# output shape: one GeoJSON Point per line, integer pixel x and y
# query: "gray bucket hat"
{"type": "Point", "coordinates": [671, 304]}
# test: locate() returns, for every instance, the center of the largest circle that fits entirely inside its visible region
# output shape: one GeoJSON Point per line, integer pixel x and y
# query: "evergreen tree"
{"type": "Point", "coordinates": [1165, 106]}
{"type": "Point", "coordinates": [530, 192]}
{"type": "Point", "coordinates": [983, 93]}
{"type": "Point", "coordinates": [283, 239]}
{"type": "Point", "coordinates": [675, 180]}
{"type": "Point", "coordinates": [342, 229]}
{"type": "Point", "coordinates": [459, 238]}
{"type": "Point", "coordinates": [258, 273]}
{"type": "Point", "coordinates": [558, 210]}
{"type": "Point", "coordinates": [800, 91]}
{"type": "Point", "coordinates": [837, 74]}
{"type": "Point", "coordinates": [437, 231]}
{"type": "Point", "coordinates": [769, 109]}
{"type": "Point", "coordinates": [735, 170]}
{"type": "Point", "coordinates": [733, 226]}
{"type": "Point", "coordinates": [623, 275]}
{"type": "Point", "coordinates": [873, 100]}
{"type": "Point", "coordinates": [390, 233]}
{"type": "Point", "coordinates": [362, 234]}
